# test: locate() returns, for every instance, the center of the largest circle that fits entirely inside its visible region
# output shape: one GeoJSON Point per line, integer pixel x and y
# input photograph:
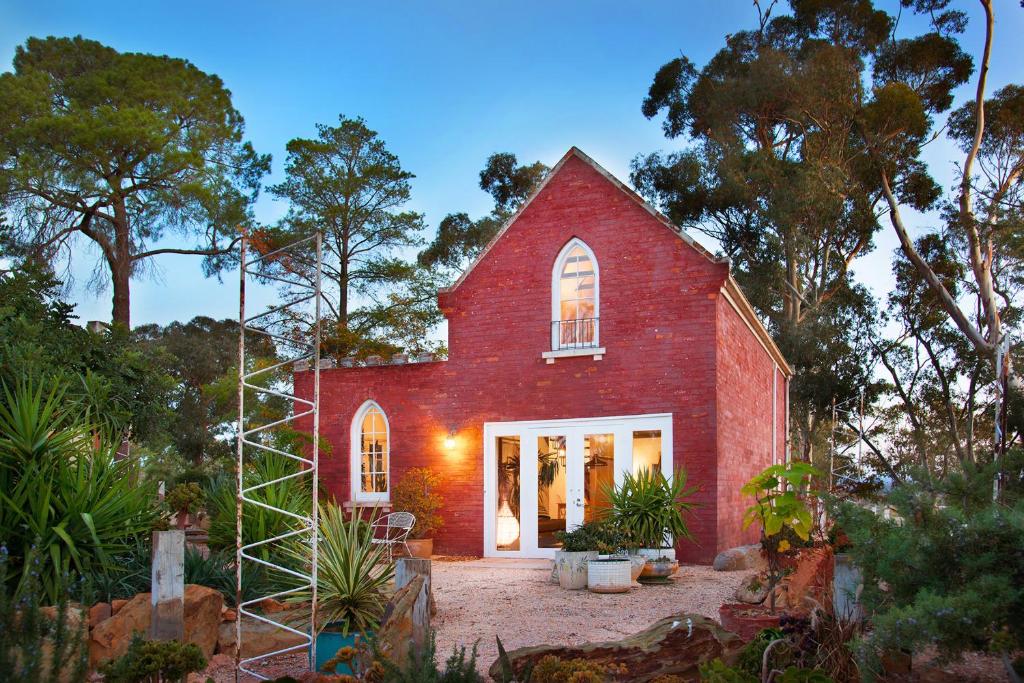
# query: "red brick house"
{"type": "Point", "coordinates": [591, 337]}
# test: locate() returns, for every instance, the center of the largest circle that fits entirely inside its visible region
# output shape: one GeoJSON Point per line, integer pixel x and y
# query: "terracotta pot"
{"type": "Point", "coordinates": [421, 547]}
{"type": "Point", "coordinates": [745, 620]}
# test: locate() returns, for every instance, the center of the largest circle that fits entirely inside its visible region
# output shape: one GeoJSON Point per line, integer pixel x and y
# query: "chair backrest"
{"type": "Point", "coordinates": [400, 520]}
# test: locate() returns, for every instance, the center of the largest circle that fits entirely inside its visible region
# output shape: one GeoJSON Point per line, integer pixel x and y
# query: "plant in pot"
{"type": "Point", "coordinates": [579, 546]}
{"type": "Point", "coordinates": [183, 499]}
{"type": "Point", "coordinates": [780, 510]}
{"type": "Point", "coordinates": [651, 509]}
{"type": "Point", "coordinates": [416, 492]}
{"type": "Point", "coordinates": [352, 578]}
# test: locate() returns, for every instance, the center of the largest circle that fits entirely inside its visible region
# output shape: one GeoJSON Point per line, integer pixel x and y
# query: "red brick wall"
{"type": "Point", "coordinates": [745, 414]}
{"type": "Point", "coordinates": [660, 314]}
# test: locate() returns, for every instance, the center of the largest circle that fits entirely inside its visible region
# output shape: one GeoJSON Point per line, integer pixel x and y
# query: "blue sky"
{"type": "Point", "coordinates": [445, 83]}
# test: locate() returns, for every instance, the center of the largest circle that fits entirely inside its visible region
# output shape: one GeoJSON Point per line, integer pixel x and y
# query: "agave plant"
{"type": "Point", "coordinates": [649, 507]}
{"type": "Point", "coordinates": [352, 573]}
{"type": "Point", "coordinates": [63, 490]}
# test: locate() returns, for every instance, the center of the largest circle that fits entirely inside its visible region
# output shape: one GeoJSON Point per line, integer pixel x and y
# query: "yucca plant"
{"type": "Point", "coordinates": [649, 507]}
{"type": "Point", "coordinates": [63, 490]}
{"type": "Point", "coordinates": [352, 574]}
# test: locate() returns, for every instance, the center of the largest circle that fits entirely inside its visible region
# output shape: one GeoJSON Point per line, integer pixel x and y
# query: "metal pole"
{"type": "Point", "coordinates": [239, 463]}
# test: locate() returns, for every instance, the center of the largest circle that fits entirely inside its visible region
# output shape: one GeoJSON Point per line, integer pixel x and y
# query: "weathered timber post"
{"type": "Point", "coordinates": [168, 589]}
{"type": "Point", "coordinates": [406, 569]}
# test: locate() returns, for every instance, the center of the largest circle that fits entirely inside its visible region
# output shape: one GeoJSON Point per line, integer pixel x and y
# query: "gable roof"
{"type": "Point", "coordinates": [733, 294]}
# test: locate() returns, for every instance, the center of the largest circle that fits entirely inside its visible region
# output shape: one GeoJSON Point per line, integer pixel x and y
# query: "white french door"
{"type": "Point", "coordinates": [546, 476]}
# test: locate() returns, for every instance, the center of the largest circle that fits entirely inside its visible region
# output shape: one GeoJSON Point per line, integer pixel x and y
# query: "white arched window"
{"type": "Point", "coordinates": [371, 453]}
{"type": "Point", "coordinates": [575, 298]}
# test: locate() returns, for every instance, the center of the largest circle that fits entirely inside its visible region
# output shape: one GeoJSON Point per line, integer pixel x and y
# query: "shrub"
{"type": "Point", "coordinates": [153, 661]}
{"type": "Point", "coordinates": [649, 507]}
{"type": "Point", "coordinates": [184, 498]}
{"type": "Point", "coordinates": [947, 571]}
{"type": "Point", "coordinates": [421, 667]}
{"type": "Point", "coordinates": [416, 492]}
{"type": "Point", "coordinates": [33, 646]}
{"type": "Point", "coordinates": [604, 537]}
{"type": "Point", "coordinates": [62, 489]}
{"type": "Point", "coordinates": [779, 512]}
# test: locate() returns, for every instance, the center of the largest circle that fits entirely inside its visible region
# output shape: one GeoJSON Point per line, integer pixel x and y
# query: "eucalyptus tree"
{"type": "Point", "coordinates": [346, 184]}
{"type": "Point", "coordinates": [120, 150]}
{"type": "Point", "coordinates": [460, 238]}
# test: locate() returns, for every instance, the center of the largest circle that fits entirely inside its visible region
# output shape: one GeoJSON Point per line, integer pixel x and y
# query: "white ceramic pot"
{"type": "Point", "coordinates": [572, 568]}
{"type": "Point", "coordinates": [611, 575]}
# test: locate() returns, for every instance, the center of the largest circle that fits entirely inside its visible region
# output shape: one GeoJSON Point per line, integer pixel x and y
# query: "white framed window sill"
{"type": "Point", "coordinates": [384, 505]}
{"type": "Point", "coordinates": [596, 351]}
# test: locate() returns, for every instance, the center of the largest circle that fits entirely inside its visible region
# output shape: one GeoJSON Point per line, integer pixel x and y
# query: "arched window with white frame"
{"type": "Point", "coordinates": [371, 454]}
{"type": "Point", "coordinates": [575, 298]}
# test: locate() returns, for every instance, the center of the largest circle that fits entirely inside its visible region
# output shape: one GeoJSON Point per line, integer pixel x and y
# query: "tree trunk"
{"type": "Point", "coordinates": [121, 266]}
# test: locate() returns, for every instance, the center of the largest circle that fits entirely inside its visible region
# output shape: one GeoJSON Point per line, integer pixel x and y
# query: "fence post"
{"type": "Point", "coordinates": [406, 569]}
{"type": "Point", "coordinates": [168, 586]}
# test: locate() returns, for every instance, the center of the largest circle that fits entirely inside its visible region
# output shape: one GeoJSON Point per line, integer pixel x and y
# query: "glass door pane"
{"type": "Point", "coordinates": [508, 512]}
{"type": "Point", "coordinates": [551, 489]}
{"type": "Point", "coordinates": [598, 474]}
{"type": "Point", "coordinates": [647, 450]}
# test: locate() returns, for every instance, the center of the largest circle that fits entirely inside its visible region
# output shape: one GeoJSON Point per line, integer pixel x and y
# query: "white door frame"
{"type": "Point", "coordinates": [574, 429]}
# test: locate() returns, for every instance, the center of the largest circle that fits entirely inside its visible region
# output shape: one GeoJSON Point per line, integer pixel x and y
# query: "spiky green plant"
{"type": "Point", "coordinates": [352, 574]}
{"type": "Point", "coordinates": [650, 507]}
{"type": "Point", "coordinates": [63, 490]}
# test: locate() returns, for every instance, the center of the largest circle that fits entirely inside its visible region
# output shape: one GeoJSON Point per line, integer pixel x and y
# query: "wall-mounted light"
{"type": "Point", "coordinates": [449, 441]}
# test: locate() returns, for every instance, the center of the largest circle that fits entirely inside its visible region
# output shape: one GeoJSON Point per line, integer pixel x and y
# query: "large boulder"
{"type": "Point", "coordinates": [111, 637]}
{"type": "Point", "coordinates": [753, 589]}
{"type": "Point", "coordinates": [674, 646]}
{"type": "Point", "coordinates": [739, 558]}
{"type": "Point", "coordinates": [257, 638]}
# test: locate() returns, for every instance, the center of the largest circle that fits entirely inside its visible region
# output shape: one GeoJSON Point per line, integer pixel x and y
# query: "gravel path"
{"type": "Point", "coordinates": [478, 600]}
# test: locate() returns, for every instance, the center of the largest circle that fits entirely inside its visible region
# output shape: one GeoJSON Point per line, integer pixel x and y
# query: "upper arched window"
{"type": "Point", "coordinates": [575, 298]}
{"type": "Point", "coordinates": [371, 453]}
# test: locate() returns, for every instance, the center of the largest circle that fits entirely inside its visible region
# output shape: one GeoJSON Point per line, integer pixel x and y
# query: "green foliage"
{"type": "Point", "coordinates": [603, 536]}
{"type": "Point", "coordinates": [780, 510]}
{"type": "Point", "coordinates": [716, 671]}
{"type": "Point", "coordinates": [648, 507]}
{"type": "Point", "coordinates": [421, 667]}
{"type": "Point", "coordinates": [184, 497]}
{"type": "Point", "coordinates": [416, 492]}
{"type": "Point", "coordinates": [121, 149]}
{"type": "Point", "coordinates": [947, 571]}
{"type": "Point", "coordinates": [34, 646]}
{"type": "Point", "coordinates": [353, 573]}
{"type": "Point", "coordinates": [460, 238]}
{"type": "Point", "coordinates": [129, 573]}
{"type": "Point", "coordinates": [154, 661]}
{"type": "Point", "coordinates": [346, 184]}
{"type": "Point", "coordinates": [62, 491]}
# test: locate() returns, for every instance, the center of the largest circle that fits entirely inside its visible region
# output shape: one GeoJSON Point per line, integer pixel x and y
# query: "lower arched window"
{"type": "Point", "coordinates": [371, 453]}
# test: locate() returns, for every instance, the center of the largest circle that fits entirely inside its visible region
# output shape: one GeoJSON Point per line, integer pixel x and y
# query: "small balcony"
{"type": "Point", "coordinates": [578, 337]}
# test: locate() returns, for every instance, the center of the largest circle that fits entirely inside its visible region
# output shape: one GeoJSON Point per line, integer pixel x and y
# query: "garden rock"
{"type": "Point", "coordinates": [674, 646]}
{"type": "Point", "coordinates": [99, 612]}
{"type": "Point", "coordinates": [257, 638]}
{"type": "Point", "coordinates": [116, 605]}
{"type": "Point", "coordinates": [741, 557]}
{"type": "Point", "coordinates": [111, 637]}
{"type": "Point", "coordinates": [753, 590]}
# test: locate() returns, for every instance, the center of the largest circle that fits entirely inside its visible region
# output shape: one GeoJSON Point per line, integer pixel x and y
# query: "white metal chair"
{"type": "Point", "coordinates": [393, 529]}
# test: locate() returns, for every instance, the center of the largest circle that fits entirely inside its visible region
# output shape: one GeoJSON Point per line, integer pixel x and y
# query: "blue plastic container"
{"type": "Point", "coordinates": [327, 645]}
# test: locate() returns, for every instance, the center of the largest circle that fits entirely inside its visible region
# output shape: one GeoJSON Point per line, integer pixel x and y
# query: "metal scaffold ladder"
{"type": "Point", "coordinates": [298, 348]}
{"type": "Point", "coordinates": [846, 446]}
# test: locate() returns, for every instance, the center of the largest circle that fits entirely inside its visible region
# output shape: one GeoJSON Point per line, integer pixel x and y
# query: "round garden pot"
{"type": "Point", "coordinates": [745, 620]}
{"type": "Point", "coordinates": [328, 642]}
{"type": "Point", "coordinates": [609, 575]}
{"type": "Point", "coordinates": [572, 568]}
{"type": "Point", "coordinates": [636, 566]}
{"type": "Point", "coordinates": [422, 548]}
{"type": "Point", "coordinates": [654, 571]}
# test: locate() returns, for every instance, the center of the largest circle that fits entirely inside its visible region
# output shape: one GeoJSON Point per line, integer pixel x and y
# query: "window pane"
{"type": "Point", "coordinates": [551, 490]}
{"type": "Point", "coordinates": [647, 450]}
{"type": "Point", "coordinates": [374, 452]}
{"type": "Point", "coordinates": [598, 474]}
{"type": "Point", "coordinates": [507, 520]}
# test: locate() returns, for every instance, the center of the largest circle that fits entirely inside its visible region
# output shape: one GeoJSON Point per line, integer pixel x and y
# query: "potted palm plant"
{"type": "Point", "coordinates": [352, 577]}
{"type": "Point", "coordinates": [651, 510]}
{"type": "Point", "coordinates": [416, 492]}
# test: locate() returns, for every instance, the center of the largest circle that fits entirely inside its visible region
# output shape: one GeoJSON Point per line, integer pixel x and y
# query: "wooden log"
{"type": "Point", "coordinates": [167, 620]}
{"type": "Point", "coordinates": [406, 569]}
